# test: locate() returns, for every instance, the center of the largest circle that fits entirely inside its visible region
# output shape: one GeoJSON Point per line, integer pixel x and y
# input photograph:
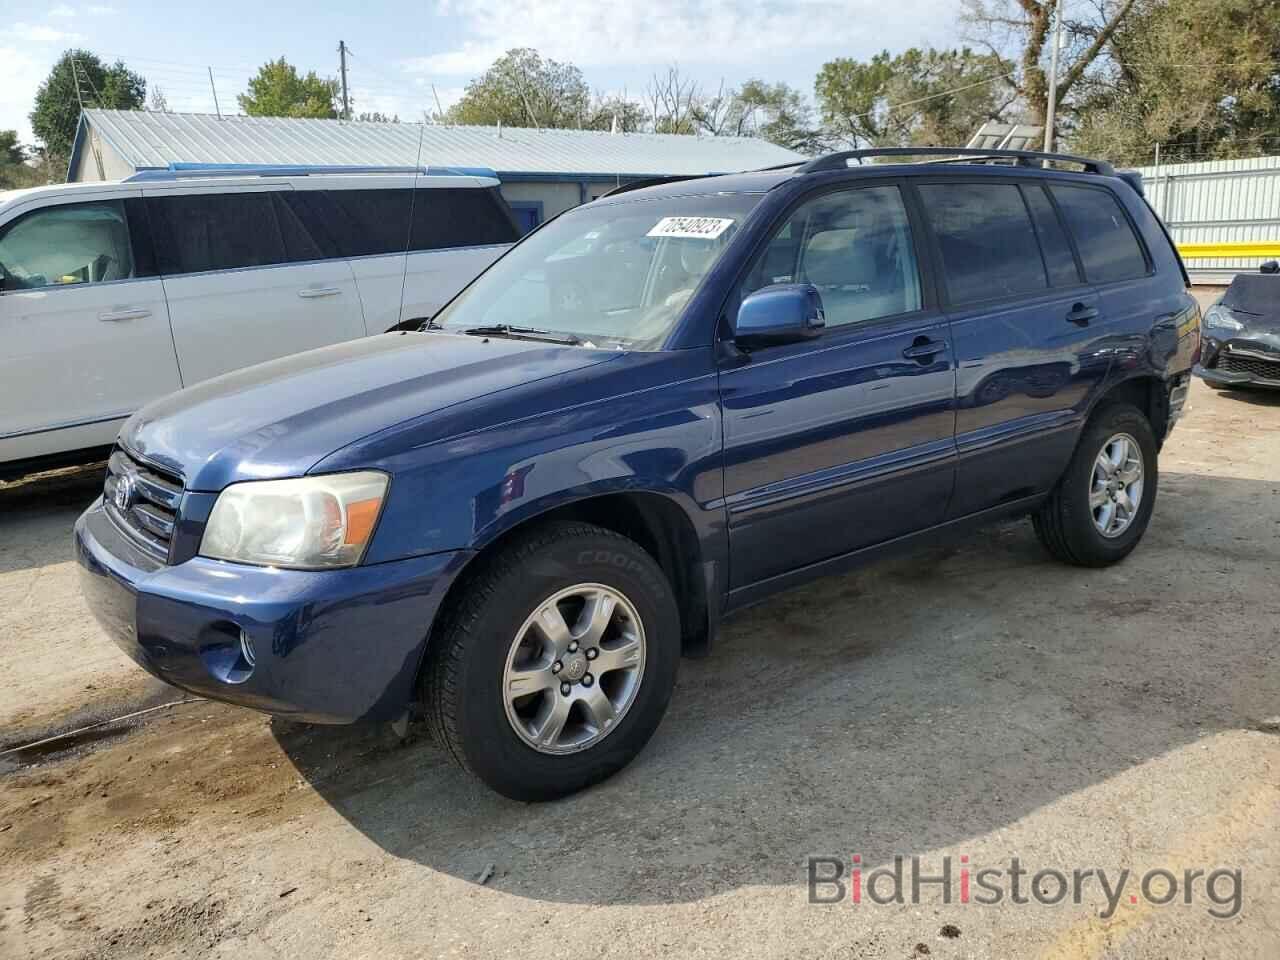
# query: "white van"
{"type": "Point", "coordinates": [112, 294]}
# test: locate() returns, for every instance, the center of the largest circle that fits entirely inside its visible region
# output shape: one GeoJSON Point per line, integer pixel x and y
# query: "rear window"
{"type": "Point", "coordinates": [215, 231]}
{"type": "Point", "coordinates": [988, 244]}
{"type": "Point", "coordinates": [1108, 246]}
{"type": "Point", "coordinates": [1058, 259]}
{"type": "Point", "coordinates": [460, 217]}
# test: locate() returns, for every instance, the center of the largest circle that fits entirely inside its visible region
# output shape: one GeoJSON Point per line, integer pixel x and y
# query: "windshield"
{"type": "Point", "coordinates": [615, 275]}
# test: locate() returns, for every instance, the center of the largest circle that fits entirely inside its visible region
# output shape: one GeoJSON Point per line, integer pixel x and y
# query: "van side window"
{"type": "Point", "coordinates": [988, 245]}
{"type": "Point", "coordinates": [372, 222]}
{"type": "Point", "coordinates": [72, 243]}
{"type": "Point", "coordinates": [854, 246]}
{"type": "Point", "coordinates": [460, 217]}
{"type": "Point", "coordinates": [1104, 237]}
{"type": "Point", "coordinates": [199, 232]}
{"type": "Point", "coordinates": [1054, 244]}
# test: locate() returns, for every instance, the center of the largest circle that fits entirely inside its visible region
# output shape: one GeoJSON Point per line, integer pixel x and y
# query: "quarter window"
{"type": "Point", "coordinates": [199, 232]}
{"type": "Point", "coordinates": [988, 245]}
{"type": "Point", "coordinates": [460, 217]}
{"type": "Point", "coordinates": [1105, 239]}
{"type": "Point", "coordinates": [854, 246]}
{"type": "Point", "coordinates": [66, 245]}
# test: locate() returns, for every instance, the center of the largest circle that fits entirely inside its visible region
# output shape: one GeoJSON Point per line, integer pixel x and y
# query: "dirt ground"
{"type": "Point", "coordinates": [972, 701]}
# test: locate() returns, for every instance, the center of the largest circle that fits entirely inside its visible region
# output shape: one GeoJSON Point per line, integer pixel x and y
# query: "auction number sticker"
{"type": "Point", "coordinates": [694, 228]}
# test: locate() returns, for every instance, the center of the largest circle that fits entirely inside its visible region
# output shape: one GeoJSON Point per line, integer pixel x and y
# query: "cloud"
{"type": "Point", "coordinates": [608, 33]}
{"type": "Point", "coordinates": [98, 10]}
{"type": "Point", "coordinates": [28, 53]}
{"type": "Point", "coordinates": [62, 11]}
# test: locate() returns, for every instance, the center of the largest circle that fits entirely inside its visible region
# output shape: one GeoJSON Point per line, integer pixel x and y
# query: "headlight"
{"type": "Point", "coordinates": [308, 523]}
{"type": "Point", "coordinates": [1220, 318]}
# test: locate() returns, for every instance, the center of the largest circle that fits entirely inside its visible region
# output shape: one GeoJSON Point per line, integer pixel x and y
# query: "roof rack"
{"type": "Point", "coordinates": [187, 171]}
{"type": "Point", "coordinates": [1025, 158]}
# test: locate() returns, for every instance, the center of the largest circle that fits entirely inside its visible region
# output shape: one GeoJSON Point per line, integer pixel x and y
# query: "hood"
{"type": "Point", "coordinates": [1253, 299]}
{"type": "Point", "coordinates": [280, 418]}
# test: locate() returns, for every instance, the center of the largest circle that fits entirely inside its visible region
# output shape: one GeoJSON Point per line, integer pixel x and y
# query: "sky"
{"type": "Point", "coordinates": [406, 55]}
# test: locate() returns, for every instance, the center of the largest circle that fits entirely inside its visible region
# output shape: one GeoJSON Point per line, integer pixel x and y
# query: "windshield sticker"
{"type": "Point", "coordinates": [693, 228]}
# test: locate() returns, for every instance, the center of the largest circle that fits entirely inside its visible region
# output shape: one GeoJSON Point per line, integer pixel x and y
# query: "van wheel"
{"type": "Point", "coordinates": [555, 666]}
{"type": "Point", "coordinates": [1101, 506]}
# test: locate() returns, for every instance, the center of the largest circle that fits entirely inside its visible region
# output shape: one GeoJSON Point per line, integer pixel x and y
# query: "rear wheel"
{"type": "Point", "coordinates": [1102, 504]}
{"type": "Point", "coordinates": [556, 665]}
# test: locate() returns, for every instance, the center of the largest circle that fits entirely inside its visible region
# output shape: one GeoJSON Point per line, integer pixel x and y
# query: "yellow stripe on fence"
{"type": "Point", "coordinates": [1243, 248]}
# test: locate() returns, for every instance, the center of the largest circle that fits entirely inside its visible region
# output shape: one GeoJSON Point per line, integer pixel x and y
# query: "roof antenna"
{"type": "Point", "coordinates": [439, 109]}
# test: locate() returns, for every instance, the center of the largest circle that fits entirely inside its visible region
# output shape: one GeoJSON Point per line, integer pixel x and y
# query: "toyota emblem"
{"type": "Point", "coordinates": [123, 496]}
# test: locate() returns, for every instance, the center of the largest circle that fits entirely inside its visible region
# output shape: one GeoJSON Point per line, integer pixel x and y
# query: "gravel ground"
{"type": "Point", "coordinates": [972, 701]}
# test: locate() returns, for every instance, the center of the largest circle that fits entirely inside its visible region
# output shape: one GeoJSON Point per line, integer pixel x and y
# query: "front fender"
{"type": "Point", "coordinates": [651, 425]}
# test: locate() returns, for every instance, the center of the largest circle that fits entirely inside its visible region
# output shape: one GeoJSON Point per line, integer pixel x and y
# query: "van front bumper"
{"type": "Point", "coordinates": [327, 646]}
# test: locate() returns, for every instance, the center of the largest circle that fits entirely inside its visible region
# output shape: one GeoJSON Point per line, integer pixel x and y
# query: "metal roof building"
{"type": "Point", "coordinates": [542, 171]}
{"type": "Point", "coordinates": [1224, 215]}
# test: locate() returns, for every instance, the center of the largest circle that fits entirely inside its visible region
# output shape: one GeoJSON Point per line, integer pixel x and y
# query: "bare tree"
{"type": "Point", "coordinates": [672, 99]}
{"type": "Point", "coordinates": [1022, 28]}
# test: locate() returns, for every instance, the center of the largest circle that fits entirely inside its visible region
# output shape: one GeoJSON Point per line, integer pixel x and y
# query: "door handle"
{"type": "Point", "coordinates": [312, 292]}
{"type": "Point", "coordinates": [115, 316]}
{"type": "Point", "coordinates": [923, 349]}
{"type": "Point", "coordinates": [1081, 314]}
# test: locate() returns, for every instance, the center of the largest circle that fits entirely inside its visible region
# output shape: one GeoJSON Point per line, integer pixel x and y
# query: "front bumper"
{"type": "Point", "coordinates": [331, 646]}
{"type": "Point", "coordinates": [1251, 360]}
{"type": "Point", "coordinates": [1229, 379]}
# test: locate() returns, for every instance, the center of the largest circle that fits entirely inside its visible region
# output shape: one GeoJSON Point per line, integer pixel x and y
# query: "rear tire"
{"type": "Point", "coordinates": [1072, 521]}
{"type": "Point", "coordinates": [493, 644]}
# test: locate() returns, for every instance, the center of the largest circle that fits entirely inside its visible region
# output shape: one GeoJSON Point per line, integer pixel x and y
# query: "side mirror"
{"type": "Point", "coordinates": [782, 313]}
{"type": "Point", "coordinates": [1271, 266]}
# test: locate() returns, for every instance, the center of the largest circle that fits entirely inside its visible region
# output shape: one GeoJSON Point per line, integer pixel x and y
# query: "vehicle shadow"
{"type": "Point", "coordinates": [1258, 396]}
{"type": "Point", "coordinates": [902, 708]}
{"type": "Point", "coordinates": [37, 515]}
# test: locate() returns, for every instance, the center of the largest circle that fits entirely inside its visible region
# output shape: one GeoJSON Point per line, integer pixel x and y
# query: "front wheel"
{"type": "Point", "coordinates": [556, 665]}
{"type": "Point", "coordinates": [1102, 504]}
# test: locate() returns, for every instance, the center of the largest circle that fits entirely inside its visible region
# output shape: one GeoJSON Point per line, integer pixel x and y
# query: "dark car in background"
{"type": "Point", "coordinates": [1242, 333]}
{"type": "Point", "coordinates": [659, 408]}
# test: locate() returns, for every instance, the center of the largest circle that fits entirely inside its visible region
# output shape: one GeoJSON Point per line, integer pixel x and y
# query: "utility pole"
{"type": "Point", "coordinates": [342, 60]}
{"type": "Point", "coordinates": [1052, 106]}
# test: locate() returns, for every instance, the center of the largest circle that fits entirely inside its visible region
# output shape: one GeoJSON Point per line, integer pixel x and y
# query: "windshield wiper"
{"type": "Point", "coordinates": [523, 333]}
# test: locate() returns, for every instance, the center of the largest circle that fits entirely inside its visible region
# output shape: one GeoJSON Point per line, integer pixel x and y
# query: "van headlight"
{"type": "Point", "coordinates": [309, 523]}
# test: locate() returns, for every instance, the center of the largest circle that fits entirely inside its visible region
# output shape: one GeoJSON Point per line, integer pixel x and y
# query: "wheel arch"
{"type": "Point", "coordinates": [655, 521]}
{"type": "Point", "coordinates": [1147, 392]}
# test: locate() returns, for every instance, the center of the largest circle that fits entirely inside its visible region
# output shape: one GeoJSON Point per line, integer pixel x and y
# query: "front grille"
{"type": "Point", "coordinates": [143, 502]}
{"type": "Point", "coordinates": [1254, 366]}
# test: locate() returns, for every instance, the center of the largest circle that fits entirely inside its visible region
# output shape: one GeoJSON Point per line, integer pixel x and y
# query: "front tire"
{"type": "Point", "coordinates": [1102, 504]}
{"type": "Point", "coordinates": [555, 666]}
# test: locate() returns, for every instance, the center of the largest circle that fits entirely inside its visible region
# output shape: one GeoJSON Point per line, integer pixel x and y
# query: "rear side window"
{"type": "Point", "coordinates": [211, 231]}
{"type": "Point", "coordinates": [460, 217]}
{"type": "Point", "coordinates": [1053, 239]}
{"type": "Point", "coordinates": [371, 222]}
{"type": "Point", "coordinates": [988, 245]}
{"type": "Point", "coordinates": [1106, 241]}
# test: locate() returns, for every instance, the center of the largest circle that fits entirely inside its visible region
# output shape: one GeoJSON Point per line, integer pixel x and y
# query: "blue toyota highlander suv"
{"type": "Point", "coordinates": [658, 408]}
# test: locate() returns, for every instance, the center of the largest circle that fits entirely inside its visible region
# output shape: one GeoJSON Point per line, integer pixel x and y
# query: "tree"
{"type": "Point", "coordinates": [674, 102]}
{"type": "Point", "coordinates": [521, 89]}
{"type": "Point", "coordinates": [159, 103]}
{"type": "Point", "coordinates": [1023, 27]}
{"type": "Point", "coordinates": [279, 91]}
{"type": "Point", "coordinates": [917, 98]}
{"type": "Point", "coordinates": [15, 170]}
{"type": "Point", "coordinates": [80, 75]}
{"type": "Point", "coordinates": [1199, 77]}
{"type": "Point", "coordinates": [615, 113]}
